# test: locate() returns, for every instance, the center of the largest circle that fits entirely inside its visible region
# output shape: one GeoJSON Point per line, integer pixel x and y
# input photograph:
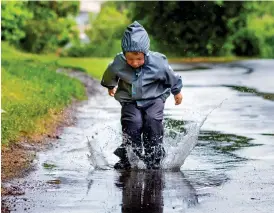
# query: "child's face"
{"type": "Point", "coordinates": [135, 59]}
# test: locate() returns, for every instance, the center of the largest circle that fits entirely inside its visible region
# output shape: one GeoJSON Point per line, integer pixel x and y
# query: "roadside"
{"type": "Point", "coordinates": [37, 102]}
{"type": "Point", "coordinates": [18, 159]}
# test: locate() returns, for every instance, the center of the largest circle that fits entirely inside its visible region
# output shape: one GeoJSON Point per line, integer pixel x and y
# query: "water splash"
{"type": "Point", "coordinates": [180, 138]}
{"type": "Point", "coordinates": [179, 144]}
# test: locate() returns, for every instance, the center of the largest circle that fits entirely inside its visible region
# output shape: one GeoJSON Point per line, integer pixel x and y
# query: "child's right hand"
{"type": "Point", "coordinates": [178, 99]}
{"type": "Point", "coordinates": [112, 92]}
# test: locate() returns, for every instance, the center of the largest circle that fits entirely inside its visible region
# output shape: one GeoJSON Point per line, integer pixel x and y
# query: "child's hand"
{"type": "Point", "coordinates": [178, 99]}
{"type": "Point", "coordinates": [112, 92]}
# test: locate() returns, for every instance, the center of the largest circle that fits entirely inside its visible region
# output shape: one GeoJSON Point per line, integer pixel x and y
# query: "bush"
{"type": "Point", "coordinates": [78, 50]}
{"type": "Point", "coordinates": [245, 43]}
{"type": "Point", "coordinates": [47, 35]}
{"type": "Point", "coordinates": [39, 26]}
{"type": "Point", "coordinates": [14, 17]}
{"type": "Point", "coordinates": [263, 28]}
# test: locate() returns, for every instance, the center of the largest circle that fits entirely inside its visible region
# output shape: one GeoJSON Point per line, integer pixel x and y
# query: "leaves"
{"type": "Point", "coordinates": [39, 26]}
{"type": "Point", "coordinates": [14, 17]}
{"type": "Point", "coordinates": [208, 28]}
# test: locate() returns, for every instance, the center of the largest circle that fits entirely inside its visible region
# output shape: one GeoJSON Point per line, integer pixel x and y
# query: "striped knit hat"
{"type": "Point", "coordinates": [135, 39]}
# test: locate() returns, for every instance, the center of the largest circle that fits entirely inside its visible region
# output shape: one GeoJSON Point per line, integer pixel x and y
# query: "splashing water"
{"type": "Point", "coordinates": [178, 144]}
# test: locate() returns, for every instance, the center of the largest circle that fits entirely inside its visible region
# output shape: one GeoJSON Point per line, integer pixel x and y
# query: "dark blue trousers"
{"type": "Point", "coordinates": [143, 123]}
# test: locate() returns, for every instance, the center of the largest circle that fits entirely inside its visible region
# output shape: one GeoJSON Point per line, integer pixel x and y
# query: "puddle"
{"type": "Point", "coordinates": [224, 142]}
{"type": "Point", "coordinates": [267, 96]}
{"type": "Point", "coordinates": [49, 166]}
{"type": "Point", "coordinates": [267, 134]}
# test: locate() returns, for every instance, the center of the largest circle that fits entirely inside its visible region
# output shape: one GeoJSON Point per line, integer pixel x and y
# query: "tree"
{"type": "Point", "coordinates": [14, 17]}
{"type": "Point", "coordinates": [108, 25]}
{"type": "Point", "coordinates": [39, 26]}
{"type": "Point", "coordinates": [260, 22]}
{"type": "Point", "coordinates": [190, 28]}
{"type": "Point", "coordinates": [107, 28]}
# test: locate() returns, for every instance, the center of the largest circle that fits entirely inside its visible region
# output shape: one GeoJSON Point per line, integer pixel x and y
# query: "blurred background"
{"type": "Point", "coordinates": [176, 28]}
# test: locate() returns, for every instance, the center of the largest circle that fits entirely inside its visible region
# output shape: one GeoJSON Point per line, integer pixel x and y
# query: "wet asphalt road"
{"type": "Point", "coordinates": [231, 169]}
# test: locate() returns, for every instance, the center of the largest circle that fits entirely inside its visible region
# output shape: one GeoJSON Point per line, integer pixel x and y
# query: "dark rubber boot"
{"type": "Point", "coordinates": [154, 158]}
{"type": "Point", "coordinates": [121, 152]}
{"type": "Point", "coordinates": [122, 164]}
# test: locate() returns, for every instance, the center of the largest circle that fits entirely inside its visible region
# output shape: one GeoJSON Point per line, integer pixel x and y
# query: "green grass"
{"type": "Point", "coordinates": [93, 66]}
{"type": "Point", "coordinates": [32, 92]}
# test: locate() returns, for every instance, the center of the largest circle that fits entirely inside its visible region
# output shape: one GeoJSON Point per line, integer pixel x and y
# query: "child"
{"type": "Point", "coordinates": [145, 81]}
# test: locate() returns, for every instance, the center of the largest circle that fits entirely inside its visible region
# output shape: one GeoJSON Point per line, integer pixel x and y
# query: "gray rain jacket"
{"type": "Point", "coordinates": [154, 79]}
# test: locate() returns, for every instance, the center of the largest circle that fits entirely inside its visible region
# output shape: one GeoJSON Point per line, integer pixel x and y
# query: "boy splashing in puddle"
{"type": "Point", "coordinates": [145, 80]}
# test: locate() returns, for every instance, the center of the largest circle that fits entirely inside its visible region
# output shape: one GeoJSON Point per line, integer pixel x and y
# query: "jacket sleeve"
{"type": "Point", "coordinates": [173, 80]}
{"type": "Point", "coordinates": [109, 79]}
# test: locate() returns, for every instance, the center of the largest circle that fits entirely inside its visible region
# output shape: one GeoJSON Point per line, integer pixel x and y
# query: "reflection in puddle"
{"type": "Point", "coordinates": [155, 191]}
{"type": "Point", "coordinates": [177, 125]}
{"type": "Point", "coordinates": [54, 181]}
{"type": "Point", "coordinates": [49, 166]}
{"type": "Point", "coordinates": [224, 142]}
{"type": "Point", "coordinates": [141, 191]}
{"type": "Point", "coordinates": [267, 134]}
{"type": "Point", "coordinates": [264, 95]}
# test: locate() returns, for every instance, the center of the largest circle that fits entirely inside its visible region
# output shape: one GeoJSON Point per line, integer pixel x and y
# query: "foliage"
{"type": "Point", "coordinates": [208, 28]}
{"type": "Point", "coordinates": [261, 23]}
{"type": "Point", "coordinates": [108, 25]}
{"type": "Point", "coordinates": [78, 50]}
{"type": "Point", "coordinates": [105, 33]}
{"type": "Point", "coordinates": [189, 28]}
{"type": "Point", "coordinates": [53, 9]}
{"type": "Point", "coordinates": [39, 26]}
{"type": "Point", "coordinates": [244, 43]}
{"type": "Point", "coordinates": [14, 17]}
{"type": "Point", "coordinates": [47, 35]}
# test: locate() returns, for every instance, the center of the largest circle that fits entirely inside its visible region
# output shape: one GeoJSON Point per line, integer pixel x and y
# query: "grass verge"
{"type": "Point", "coordinates": [32, 92]}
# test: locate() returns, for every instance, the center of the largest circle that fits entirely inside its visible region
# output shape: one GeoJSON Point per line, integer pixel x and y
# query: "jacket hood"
{"type": "Point", "coordinates": [135, 39]}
